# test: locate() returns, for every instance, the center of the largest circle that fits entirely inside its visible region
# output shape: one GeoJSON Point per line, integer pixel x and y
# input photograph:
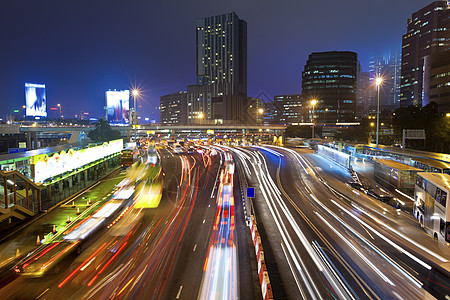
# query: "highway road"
{"type": "Point", "coordinates": [159, 252]}
{"type": "Point", "coordinates": [324, 240]}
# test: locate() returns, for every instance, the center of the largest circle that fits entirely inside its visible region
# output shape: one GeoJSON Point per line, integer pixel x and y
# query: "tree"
{"type": "Point", "coordinates": [428, 118]}
{"type": "Point", "coordinates": [359, 134]}
{"type": "Point", "coordinates": [294, 131]}
{"type": "Point", "coordinates": [103, 132]}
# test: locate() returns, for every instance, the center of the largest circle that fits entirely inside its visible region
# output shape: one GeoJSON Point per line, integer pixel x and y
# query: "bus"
{"type": "Point", "coordinates": [71, 241]}
{"type": "Point", "coordinates": [129, 157]}
{"type": "Point", "coordinates": [431, 165]}
{"type": "Point", "coordinates": [391, 173]}
{"type": "Point", "coordinates": [432, 205]}
{"type": "Point", "coordinates": [436, 282]}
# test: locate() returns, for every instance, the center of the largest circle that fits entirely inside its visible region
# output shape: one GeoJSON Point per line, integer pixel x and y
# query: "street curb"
{"type": "Point", "coordinates": [54, 207]}
{"type": "Point", "coordinates": [250, 219]}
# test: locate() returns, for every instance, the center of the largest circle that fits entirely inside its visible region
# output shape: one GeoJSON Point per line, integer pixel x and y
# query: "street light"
{"type": "Point", "coordinates": [260, 115]}
{"type": "Point", "coordinates": [378, 82]}
{"type": "Point", "coordinates": [313, 103]}
{"type": "Point", "coordinates": [135, 94]}
{"type": "Point", "coordinates": [60, 115]}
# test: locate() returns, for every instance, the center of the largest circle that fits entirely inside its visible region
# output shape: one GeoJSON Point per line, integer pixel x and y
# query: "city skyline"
{"type": "Point", "coordinates": [118, 43]}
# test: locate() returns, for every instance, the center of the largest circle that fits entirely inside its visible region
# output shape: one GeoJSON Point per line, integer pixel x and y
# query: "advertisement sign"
{"type": "Point", "coordinates": [47, 166]}
{"type": "Point", "coordinates": [35, 100]}
{"type": "Point", "coordinates": [118, 106]}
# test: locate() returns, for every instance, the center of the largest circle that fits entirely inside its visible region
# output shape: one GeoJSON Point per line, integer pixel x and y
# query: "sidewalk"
{"type": "Point", "coordinates": [24, 239]}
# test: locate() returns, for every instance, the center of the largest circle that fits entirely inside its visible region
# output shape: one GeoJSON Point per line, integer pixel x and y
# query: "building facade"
{"type": "Point", "coordinates": [330, 78]}
{"type": "Point", "coordinates": [290, 109]}
{"type": "Point", "coordinates": [270, 113]}
{"type": "Point", "coordinates": [440, 81]}
{"type": "Point", "coordinates": [364, 94]}
{"type": "Point", "coordinates": [221, 65]}
{"type": "Point", "coordinates": [255, 110]}
{"type": "Point", "coordinates": [427, 33]}
{"type": "Point", "coordinates": [389, 69]}
{"type": "Point", "coordinates": [173, 108]}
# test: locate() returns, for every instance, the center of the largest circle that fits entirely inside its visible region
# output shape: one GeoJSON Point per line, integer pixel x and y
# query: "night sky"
{"type": "Point", "coordinates": [80, 48]}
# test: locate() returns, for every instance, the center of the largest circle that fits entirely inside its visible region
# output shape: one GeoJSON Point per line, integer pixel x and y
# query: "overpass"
{"type": "Point", "coordinates": [78, 132]}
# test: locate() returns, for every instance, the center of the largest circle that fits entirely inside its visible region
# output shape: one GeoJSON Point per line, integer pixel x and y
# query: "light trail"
{"type": "Point", "coordinates": [219, 279]}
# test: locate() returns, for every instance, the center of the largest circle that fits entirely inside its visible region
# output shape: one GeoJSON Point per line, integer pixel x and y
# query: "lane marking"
{"type": "Point", "coordinates": [179, 292]}
{"type": "Point", "coordinates": [195, 247]}
{"type": "Point", "coordinates": [204, 221]}
{"type": "Point", "coordinates": [42, 294]}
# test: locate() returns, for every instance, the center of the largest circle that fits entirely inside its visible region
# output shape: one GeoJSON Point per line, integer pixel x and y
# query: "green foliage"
{"type": "Point", "coordinates": [359, 134]}
{"type": "Point", "coordinates": [437, 127]}
{"type": "Point", "coordinates": [293, 131]}
{"type": "Point", "coordinates": [103, 132]}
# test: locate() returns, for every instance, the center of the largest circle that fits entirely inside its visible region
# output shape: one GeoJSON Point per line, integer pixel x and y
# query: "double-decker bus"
{"type": "Point", "coordinates": [129, 157]}
{"type": "Point", "coordinates": [432, 203]}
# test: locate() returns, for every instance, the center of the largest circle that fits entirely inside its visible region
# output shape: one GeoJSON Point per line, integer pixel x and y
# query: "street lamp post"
{"type": "Point", "coordinates": [313, 103]}
{"type": "Point", "coordinates": [260, 115]}
{"type": "Point", "coordinates": [60, 114]}
{"type": "Point", "coordinates": [135, 115]}
{"type": "Point", "coordinates": [378, 81]}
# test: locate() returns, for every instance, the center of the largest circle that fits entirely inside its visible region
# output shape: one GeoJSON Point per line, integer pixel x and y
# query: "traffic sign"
{"type": "Point", "coordinates": [250, 192]}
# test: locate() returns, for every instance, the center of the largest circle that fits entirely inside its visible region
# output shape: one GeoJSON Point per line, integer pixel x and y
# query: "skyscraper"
{"type": "Point", "coordinates": [363, 94]}
{"type": "Point", "coordinates": [290, 109]}
{"type": "Point", "coordinates": [388, 67]}
{"type": "Point", "coordinates": [427, 33]}
{"type": "Point", "coordinates": [221, 69]}
{"type": "Point", "coordinates": [173, 108]}
{"type": "Point", "coordinates": [440, 81]}
{"type": "Point", "coordinates": [330, 78]}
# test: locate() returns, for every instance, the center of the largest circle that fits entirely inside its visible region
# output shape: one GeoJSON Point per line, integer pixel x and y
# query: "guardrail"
{"type": "Point", "coordinates": [263, 274]}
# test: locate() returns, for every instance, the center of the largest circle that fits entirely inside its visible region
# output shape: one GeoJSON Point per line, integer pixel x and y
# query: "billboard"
{"type": "Point", "coordinates": [35, 100]}
{"type": "Point", "coordinates": [118, 106]}
{"type": "Point", "coordinates": [45, 166]}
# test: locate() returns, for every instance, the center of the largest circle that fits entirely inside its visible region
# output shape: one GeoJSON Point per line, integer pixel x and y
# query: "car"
{"type": "Point", "coordinates": [388, 199]}
{"type": "Point", "coordinates": [392, 201]}
{"type": "Point", "coordinates": [357, 186]}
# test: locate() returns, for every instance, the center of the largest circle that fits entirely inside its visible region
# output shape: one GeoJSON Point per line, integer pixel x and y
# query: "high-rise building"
{"type": "Point", "coordinates": [427, 33]}
{"type": "Point", "coordinates": [255, 110]}
{"type": "Point", "coordinates": [440, 81]}
{"type": "Point", "coordinates": [330, 78]}
{"type": "Point", "coordinates": [173, 108]}
{"type": "Point", "coordinates": [388, 68]}
{"type": "Point", "coordinates": [290, 109]}
{"type": "Point", "coordinates": [363, 94]}
{"type": "Point", "coordinates": [221, 69]}
{"type": "Point", "coordinates": [270, 113]}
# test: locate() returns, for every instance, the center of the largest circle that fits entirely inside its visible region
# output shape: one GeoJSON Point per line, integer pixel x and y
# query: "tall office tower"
{"type": "Point", "coordinates": [271, 113]}
{"type": "Point", "coordinates": [330, 78]}
{"type": "Point", "coordinates": [221, 87]}
{"type": "Point", "coordinates": [289, 108]}
{"type": "Point", "coordinates": [173, 108]}
{"type": "Point", "coordinates": [387, 67]}
{"type": "Point", "coordinates": [363, 94]}
{"type": "Point", "coordinates": [440, 81]}
{"type": "Point", "coordinates": [255, 110]}
{"type": "Point", "coordinates": [427, 33]}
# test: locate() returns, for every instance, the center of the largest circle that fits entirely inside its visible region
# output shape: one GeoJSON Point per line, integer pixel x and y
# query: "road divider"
{"type": "Point", "coordinates": [263, 274]}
